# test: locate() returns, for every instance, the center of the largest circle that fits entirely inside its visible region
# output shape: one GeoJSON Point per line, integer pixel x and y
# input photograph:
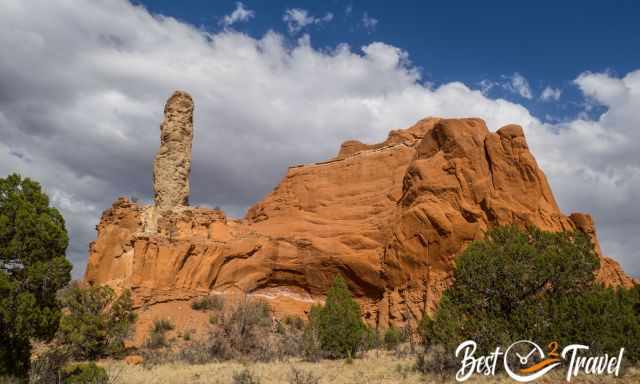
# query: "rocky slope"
{"type": "Point", "coordinates": [389, 217]}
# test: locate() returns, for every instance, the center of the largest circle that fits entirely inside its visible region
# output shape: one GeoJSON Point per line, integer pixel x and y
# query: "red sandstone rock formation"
{"type": "Point", "coordinates": [390, 218]}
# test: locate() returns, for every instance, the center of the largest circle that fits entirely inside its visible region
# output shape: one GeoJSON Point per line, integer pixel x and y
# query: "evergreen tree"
{"type": "Point", "coordinates": [338, 323]}
{"type": "Point", "coordinates": [95, 322]}
{"type": "Point", "coordinates": [529, 284]}
{"type": "Point", "coordinates": [33, 240]}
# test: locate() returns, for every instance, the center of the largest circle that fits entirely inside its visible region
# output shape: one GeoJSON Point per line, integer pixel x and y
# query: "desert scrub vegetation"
{"type": "Point", "coordinates": [157, 334]}
{"type": "Point", "coordinates": [95, 322]}
{"type": "Point", "coordinates": [245, 376]}
{"type": "Point", "coordinates": [207, 303]}
{"type": "Point", "coordinates": [84, 373]}
{"type": "Point", "coordinates": [246, 330]}
{"type": "Point", "coordinates": [301, 376]}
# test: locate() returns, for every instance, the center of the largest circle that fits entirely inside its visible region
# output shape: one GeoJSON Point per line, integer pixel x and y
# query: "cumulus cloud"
{"type": "Point", "coordinates": [369, 23]}
{"type": "Point", "coordinates": [82, 94]}
{"type": "Point", "coordinates": [550, 94]}
{"type": "Point", "coordinates": [296, 19]}
{"type": "Point", "coordinates": [240, 14]}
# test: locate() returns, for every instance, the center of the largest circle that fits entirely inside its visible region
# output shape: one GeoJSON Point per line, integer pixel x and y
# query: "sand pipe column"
{"type": "Point", "coordinates": [172, 164]}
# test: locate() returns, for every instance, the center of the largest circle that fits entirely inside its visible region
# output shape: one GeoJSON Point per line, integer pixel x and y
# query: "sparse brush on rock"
{"type": "Point", "coordinates": [162, 325]}
{"type": "Point", "coordinates": [157, 334]}
{"type": "Point", "coordinates": [248, 329]}
{"type": "Point", "coordinates": [245, 377]}
{"type": "Point", "coordinates": [299, 376]}
{"type": "Point", "coordinates": [245, 332]}
{"type": "Point", "coordinates": [186, 335]}
{"type": "Point", "coordinates": [208, 303]}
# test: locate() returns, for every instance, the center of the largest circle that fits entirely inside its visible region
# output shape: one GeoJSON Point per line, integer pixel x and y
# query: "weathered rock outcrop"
{"type": "Point", "coordinates": [173, 161]}
{"type": "Point", "coordinates": [389, 217]}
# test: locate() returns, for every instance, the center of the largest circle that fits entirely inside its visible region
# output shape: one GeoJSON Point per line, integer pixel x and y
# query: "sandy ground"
{"type": "Point", "coordinates": [377, 367]}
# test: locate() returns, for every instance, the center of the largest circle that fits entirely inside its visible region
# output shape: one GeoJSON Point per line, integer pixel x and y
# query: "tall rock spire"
{"type": "Point", "coordinates": [173, 161]}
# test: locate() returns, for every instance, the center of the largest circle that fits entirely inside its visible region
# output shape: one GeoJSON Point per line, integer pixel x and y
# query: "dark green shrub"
{"type": "Point", "coordinates": [33, 241]}
{"type": "Point", "coordinates": [208, 303]}
{"type": "Point", "coordinates": [95, 322]}
{"type": "Point", "coordinates": [529, 284]}
{"type": "Point", "coordinates": [311, 346]}
{"type": "Point", "coordinates": [393, 337]}
{"type": "Point", "coordinates": [337, 325]}
{"type": "Point", "coordinates": [602, 318]}
{"type": "Point", "coordinates": [85, 373]}
{"type": "Point", "coordinates": [10, 380]}
{"type": "Point", "coordinates": [371, 339]}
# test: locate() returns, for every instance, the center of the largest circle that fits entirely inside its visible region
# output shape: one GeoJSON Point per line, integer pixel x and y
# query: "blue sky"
{"type": "Point", "coordinates": [280, 83]}
{"type": "Point", "coordinates": [548, 42]}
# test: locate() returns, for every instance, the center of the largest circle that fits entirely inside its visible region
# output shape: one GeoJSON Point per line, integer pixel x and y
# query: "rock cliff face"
{"type": "Point", "coordinates": [391, 218]}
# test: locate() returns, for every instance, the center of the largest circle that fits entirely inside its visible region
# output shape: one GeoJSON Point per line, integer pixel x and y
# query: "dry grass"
{"type": "Point", "coordinates": [379, 367]}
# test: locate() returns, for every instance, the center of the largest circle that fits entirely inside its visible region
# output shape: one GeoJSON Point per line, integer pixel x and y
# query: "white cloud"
{"type": "Point", "coordinates": [348, 10]}
{"type": "Point", "coordinates": [369, 22]}
{"type": "Point", "coordinates": [297, 19]}
{"type": "Point", "coordinates": [240, 14]}
{"type": "Point", "coordinates": [486, 86]}
{"type": "Point", "coordinates": [603, 88]}
{"type": "Point", "coordinates": [549, 94]}
{"type": "Point", "coordinates": [83, 91]}
{"type": "Point", "coordinates": [518, 84]}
